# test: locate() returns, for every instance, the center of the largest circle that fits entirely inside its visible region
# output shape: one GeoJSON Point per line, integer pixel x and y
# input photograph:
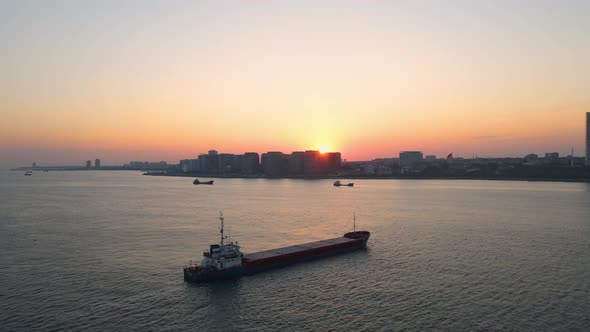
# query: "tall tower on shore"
{"type": "Point", "coordinates": [587, 139]}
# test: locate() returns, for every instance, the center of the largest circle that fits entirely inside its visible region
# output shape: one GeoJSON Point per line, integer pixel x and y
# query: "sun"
{"type": "Point", "coordinates": [323, 149]}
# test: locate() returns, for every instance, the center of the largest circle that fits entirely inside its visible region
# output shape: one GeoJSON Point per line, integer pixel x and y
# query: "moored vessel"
{"type": "Point", "coordinates": [337, 183]}
{"type": "Point", "coordinates": [226, 261]}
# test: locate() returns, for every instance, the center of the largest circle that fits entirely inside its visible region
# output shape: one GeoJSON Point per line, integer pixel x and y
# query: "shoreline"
{"type": "Point", "coordinates": [525, 179]}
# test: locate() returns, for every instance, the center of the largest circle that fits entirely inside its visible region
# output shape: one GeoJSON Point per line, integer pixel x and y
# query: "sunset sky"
{"type": "Point", "coordinates": [166, 80]}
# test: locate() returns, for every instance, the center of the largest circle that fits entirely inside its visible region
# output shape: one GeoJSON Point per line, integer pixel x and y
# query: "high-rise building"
{"type": "Point", "coordinates": [275, 163]}
{"type": "Point", "coordinates": [333, 161]}
{"type": "Point", "coordinates": [97, 163]}
{"type": "Point", "coordinates": [88, 164]}
{"type": "Point", "coordinates": [588, 139]}
{"type": "Point", "coordinates": [250, 163]}
{"type": "Point", "coordinates": [296, 163]}
{"type": "Point", "coordinates": [410, 158]}
{"type": "Point", "coordinates": [212, 163]}
{"type": "Point", "coordinates": [225, 162]}
{"type": "Point", "coordinates": [312, 163]}
{"type": "Point", "coordinates": [189, 165]}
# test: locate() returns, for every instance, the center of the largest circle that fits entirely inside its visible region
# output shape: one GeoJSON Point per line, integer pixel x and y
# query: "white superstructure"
{"type": "Point", "coordinates": [222, 256]}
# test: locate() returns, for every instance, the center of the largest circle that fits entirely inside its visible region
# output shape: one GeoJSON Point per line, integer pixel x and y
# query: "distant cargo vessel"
{"type": "Point", "coordinates": [199, 182]}
{"type": "Point", "coordinates": [340, 184]}
{"type": "Point", "coordinates": [226, 261]}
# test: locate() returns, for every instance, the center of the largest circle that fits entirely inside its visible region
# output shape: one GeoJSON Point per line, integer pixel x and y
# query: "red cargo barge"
{"type": "Point", "coordinates": [225, 261]}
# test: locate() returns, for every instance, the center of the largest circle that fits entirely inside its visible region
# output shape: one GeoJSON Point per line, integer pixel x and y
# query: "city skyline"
{"type": "Point", "coordinates": [322, 150]}
{"type": "Point", "coordinates": [368, 79]}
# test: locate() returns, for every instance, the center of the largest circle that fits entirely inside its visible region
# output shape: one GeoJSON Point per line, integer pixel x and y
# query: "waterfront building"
{"type": "Point", "coordinates": [189, 165]}
{"type": "Point", "coordinates": [296, 163]}
{"type": "Point", "coordinates": [203, 161]}
{"type": "Point", "coordinates": [236, 163]}
{"type": "Point", "coordinates": [250, 163]}
{"type": "Point", "coordinates": [137, 164]}
{"type": "Point", "coordinates": [312, 163]}
{"type": "Point", "coordinates": [225, 162]}
{"type": "Point", "coordinates": [410, 158]}
{"type": "Point", "coordinates": [333, 160]}
{"type": "Point", "coordinates": [531, 160]}
{"type": "Point", "coordinates": [212, 161]}
{"type": "Point", "coordinates": [185, 165]}
{"type": "Point", "coordinates": [97, 163]}
{"type": "Point", "coordinates": [209, 162]}
{"type": "Point", "coordinates": [145, 165]}
{"type": "Point", "coordinates": [430, 158]}
{"type": "Point", "coordinates": [552, 155]}
{"type": "Point", "coordinates": [274, 163]}
{"type": "Point", "coordinates": [88, 164]}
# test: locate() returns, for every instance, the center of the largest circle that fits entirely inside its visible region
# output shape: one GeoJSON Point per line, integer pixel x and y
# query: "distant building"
{"type": "Point", "coordinates": [137, 164]}
{"type": "Point", "coordinates": [275, 163]}
{"type": "Point", "coordinates": [552, 155]}
{"type": "Point", "coordinates": [410, 158]}
{"type": "Point", "coordinates": [430, 158]}
{"type": "Point", "coordinates": [185, 165]}
{"type": "Point", "coordinates": [250, 163]}
{"type": "Point", "coordinates": [236, 164]}
{"type": "Point", "coordinates": [531, 159]}
{"type": "Point", "coordinates": [212, 163]}
{"type": "Point", "coordinates": [312, 163]}
{"type": "Point", "coordinates": [203, 162]}
{"type": "Point", "coordinates": [316, 163]}
{"type": "Point", "coordinates": [333, 161]}
{"type": "Point", "coordinates": [225, 162]}
{"type": "Point", "coordinates": [34, 165]}
{"type": "Point", "coordinates": [296, 163]}
{"type": "Point", "coordinates": [588, 139]}
{"type": "Point", "coordinates": [159, 165]}
{"type": "Point", "coordinates": [189, 165]}
{"type": "Point", "coordinates": [145, 165]}
{"type": "Point", "coordinates": [209, 162]}
{"type": "Point", "coordinates": [97, 164]}
{"type": "Point", "coordinates": [88, 164]}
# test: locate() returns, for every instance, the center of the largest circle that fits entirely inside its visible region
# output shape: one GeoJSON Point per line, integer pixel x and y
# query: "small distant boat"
{"type": "Point", "coordinates": [199, 182]}
{"type": "Point", "coordinates": [340, 184]}
{"type": "Point", "coordinates": [28, 173]}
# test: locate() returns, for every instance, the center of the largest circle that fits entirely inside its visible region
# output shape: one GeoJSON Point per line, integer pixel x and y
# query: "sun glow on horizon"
{"type": "Point", "coordinates": [365, 81]}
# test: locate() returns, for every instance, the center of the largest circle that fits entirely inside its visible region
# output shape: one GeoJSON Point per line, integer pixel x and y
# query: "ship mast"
{"type": "Point", "coordinates": [354, 222]}
{"type": "Point", "coordinates": [221, 229]}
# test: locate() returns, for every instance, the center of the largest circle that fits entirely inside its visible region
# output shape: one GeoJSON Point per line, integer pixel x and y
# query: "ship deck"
{"type": "Point", "coordinates": [299, 248]}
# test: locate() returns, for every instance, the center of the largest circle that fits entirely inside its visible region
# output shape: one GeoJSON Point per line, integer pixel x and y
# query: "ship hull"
{"type": "Point", "coordinates": [280, 257]}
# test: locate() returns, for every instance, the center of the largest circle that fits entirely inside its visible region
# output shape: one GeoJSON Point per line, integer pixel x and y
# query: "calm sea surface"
{"type": "Point", "coordinates": [99, 250]}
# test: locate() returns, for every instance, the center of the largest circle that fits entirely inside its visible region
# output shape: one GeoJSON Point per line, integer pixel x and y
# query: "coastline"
{"type": "Point", "coordinates": [361, 177]}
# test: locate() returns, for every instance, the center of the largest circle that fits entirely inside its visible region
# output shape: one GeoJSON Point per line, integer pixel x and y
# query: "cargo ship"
{"type": "Point", "coordinates": [226, 261]}
{"type": "Point", "coordinates": [340, 184]}
{"type": "Point", "coordinates": [199, 182]}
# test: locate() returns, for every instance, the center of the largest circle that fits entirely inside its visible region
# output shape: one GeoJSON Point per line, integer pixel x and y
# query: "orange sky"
{"type": "Point", "coordinates": [369, 79]}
